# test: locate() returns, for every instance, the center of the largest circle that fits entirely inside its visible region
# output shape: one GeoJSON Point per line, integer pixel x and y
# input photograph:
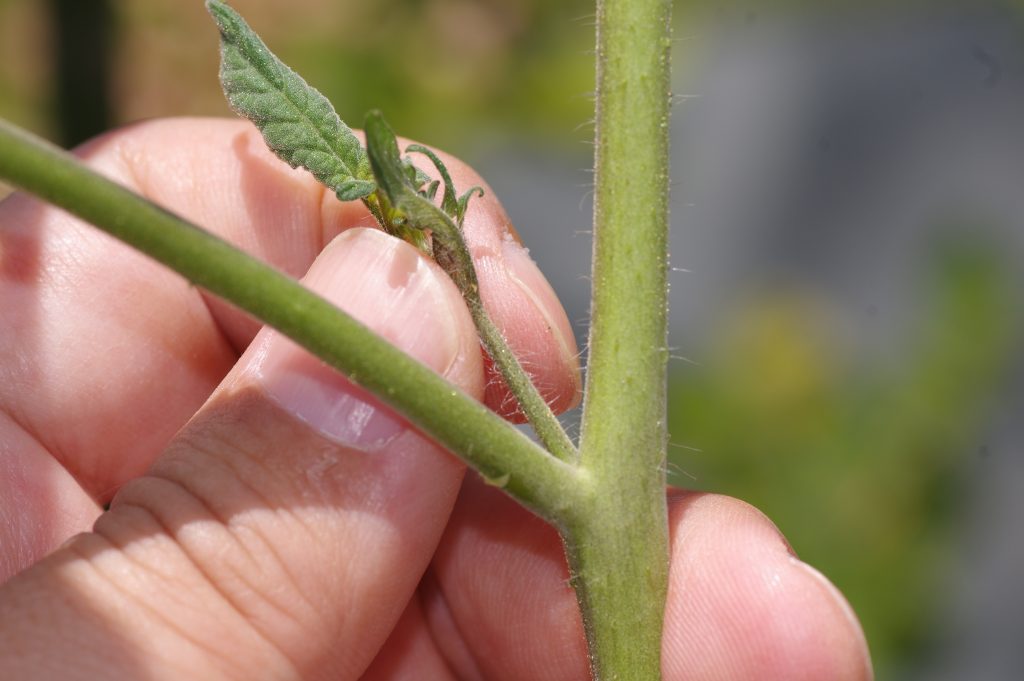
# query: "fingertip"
{"type": "Point", "coordinates": [565, 390]}
{"type": "Point", "coordinates": [741, 605]}
{"type": "Point", "coordinates": [406, 299]}
{"type": "Point", "coordinates": [853, 643]}
{"type": "Point", "coordinates": [526, 309]}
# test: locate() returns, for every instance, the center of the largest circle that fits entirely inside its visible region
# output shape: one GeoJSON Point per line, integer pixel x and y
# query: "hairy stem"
{"type": "Point", "coordinates": [532, 404]}
{"type": "Point", "coordinates": [618, 543]}
{"type": "Point", "coordinates": [486, 442]}
{"type": "Point", "coordinates": [414, 214]}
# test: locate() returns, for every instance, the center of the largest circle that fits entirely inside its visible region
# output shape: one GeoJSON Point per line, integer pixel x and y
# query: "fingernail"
{"type": "Point", "coordinates": [388, 286]}
{"type": "Point", "coordinates": [525, 274]}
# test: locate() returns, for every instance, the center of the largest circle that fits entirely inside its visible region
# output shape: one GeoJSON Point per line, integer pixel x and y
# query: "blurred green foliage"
{"type": "Point", "coordinates": [857, 460]}
{"type": "Point", "coordinates": [442, 70]}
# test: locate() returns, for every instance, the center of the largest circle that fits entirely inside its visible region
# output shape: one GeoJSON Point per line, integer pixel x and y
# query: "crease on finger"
{"type": "Point", "coordinates": [37, 512]}
{"type": "Point", "coordinates": [189, 561]}
{"type": "Point", "coordinates": [444, 629]}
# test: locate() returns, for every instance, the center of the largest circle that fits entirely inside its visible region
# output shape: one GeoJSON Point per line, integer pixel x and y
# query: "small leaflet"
{"type": "Point", "coordinates": [298, 123]}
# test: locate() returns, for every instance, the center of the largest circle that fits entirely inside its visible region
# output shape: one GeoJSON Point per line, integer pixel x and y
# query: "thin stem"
{"type": "Point", "coordinates": [532, 404]}
{"type": "Point", "coordinates": [618, 543]}
{"type": "Point", "coordinates": [486, 442]}
{"type": "Point", "coordinates": [412, 215]}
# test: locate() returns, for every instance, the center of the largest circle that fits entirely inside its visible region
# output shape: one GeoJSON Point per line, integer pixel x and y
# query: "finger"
{"type": "Point", "coordinates": [104, 354]}
{"type": "Point", "coordinates": [740, 606]}
{"type": "Point", "coordinates": [251, 202]}
{"type": "Point", "coordinates": [497, 596]}
{"type": "Point", "coordinates": [32, 486]}
{"type": "Point", "coordinates": [295, 513]}
{"type": "Point", "coordinates": [410, 653]}
{"type": "Point", "coordinates": [521, 302]}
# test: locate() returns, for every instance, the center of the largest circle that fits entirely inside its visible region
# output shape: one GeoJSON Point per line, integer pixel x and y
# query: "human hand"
{"type": "Point", "coordinates": [272, 521]}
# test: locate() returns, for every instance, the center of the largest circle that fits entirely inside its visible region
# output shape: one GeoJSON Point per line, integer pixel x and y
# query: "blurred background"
{"type": "Point", "coordinates": [848, 198]}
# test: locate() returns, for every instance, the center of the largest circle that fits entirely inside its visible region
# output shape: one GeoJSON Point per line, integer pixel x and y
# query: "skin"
{"type": "Point", "coordinates": [246, 538]}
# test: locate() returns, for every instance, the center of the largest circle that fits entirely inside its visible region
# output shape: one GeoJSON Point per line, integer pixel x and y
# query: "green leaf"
{"type": "Point", "coordinates": [417, 178]}
{"type": "Point", "coordinates": [297, 122]}
{"type": "Point", "coordinates": [352, 189]}
{"type": "Point", "coordinates": [412, 216]}
{"type": "Point", "coordinates": [449, 204]}
{"type": "Point", "coordinates": [431, 191]}
{"type": "Point", "coordinates": [463, 203]}
{"type": "Point", "coordinates": [388, 169]}
{"type": "Point", "coordinates": [455, 208]}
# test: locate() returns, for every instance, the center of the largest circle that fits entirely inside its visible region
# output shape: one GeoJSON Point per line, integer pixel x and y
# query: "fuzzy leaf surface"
{"type": "Point", "coordinates": [298, 123]}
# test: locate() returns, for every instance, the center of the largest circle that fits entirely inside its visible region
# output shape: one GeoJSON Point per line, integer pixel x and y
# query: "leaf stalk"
{"type": "Point", "coordinates": [418, 215]}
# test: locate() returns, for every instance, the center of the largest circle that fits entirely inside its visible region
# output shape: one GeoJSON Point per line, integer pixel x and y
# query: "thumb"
{"type": "Point", "coordinates": [287, 525]}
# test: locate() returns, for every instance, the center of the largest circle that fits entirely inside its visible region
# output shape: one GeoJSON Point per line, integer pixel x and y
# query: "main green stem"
{"type": "Point", "coordinates": [617, 542]}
